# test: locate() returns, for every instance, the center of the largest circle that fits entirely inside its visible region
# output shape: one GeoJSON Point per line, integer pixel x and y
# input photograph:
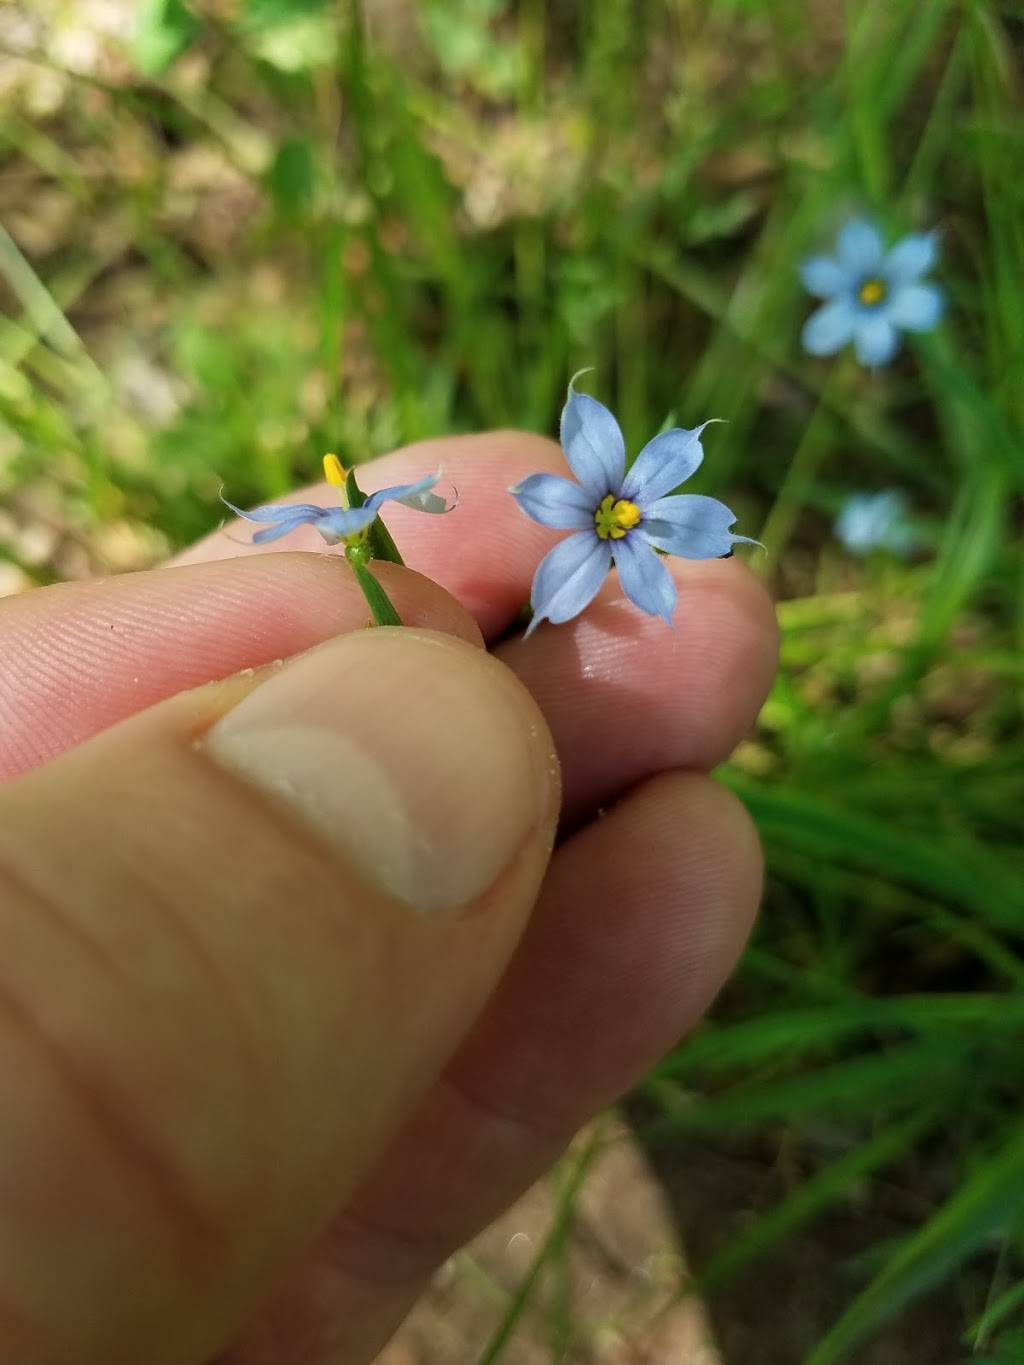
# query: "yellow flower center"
{"type": "Point", "coordinates": [872, 292]}
{"type": "Point", "coordinates": [614, 519]}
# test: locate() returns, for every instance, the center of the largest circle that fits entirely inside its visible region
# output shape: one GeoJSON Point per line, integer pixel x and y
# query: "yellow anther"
{"type": "Point", "coordinates": [334, 471]}
{"type": "Point", "coordinates": [613, 519]}
{"type": "Point", "coordinates": [872, 291]}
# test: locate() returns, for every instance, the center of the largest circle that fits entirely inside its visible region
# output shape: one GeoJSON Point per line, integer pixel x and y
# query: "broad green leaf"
{"type": "Point", "coordinates": [164, 30]}
{"type": "Point", "coordinates": [291, 176]}
{"type": "Point", "coordinates": [264, 14]}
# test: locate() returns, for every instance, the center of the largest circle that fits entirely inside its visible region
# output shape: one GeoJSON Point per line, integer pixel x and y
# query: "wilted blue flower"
{"type": "Point", "coordinates": [339, 523]}
{"type": "Point", "coordinates": [872, 294]}
{"type": "Point", "coordinates": [875, 521]}
{"type": "Point", "coordinates": [619, 518]}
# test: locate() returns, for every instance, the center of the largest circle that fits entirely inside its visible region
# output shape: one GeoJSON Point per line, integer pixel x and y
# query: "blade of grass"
{"type": "Point", "coordinates": [555, 1240]}
{"type": "Point", "coordinates": [815, 1196]}
{"type": "Point", "coordinates": [991, 1199]}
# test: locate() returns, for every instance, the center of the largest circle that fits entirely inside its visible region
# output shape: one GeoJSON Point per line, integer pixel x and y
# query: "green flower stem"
{"type": "Point", "coordinates": [814, 446]}
{"type": "Point", "coordinates": [381, 607]}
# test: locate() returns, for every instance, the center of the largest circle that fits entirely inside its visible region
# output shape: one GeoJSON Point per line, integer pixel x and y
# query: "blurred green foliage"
{"type": "Point", "coordinates": [285, 226]}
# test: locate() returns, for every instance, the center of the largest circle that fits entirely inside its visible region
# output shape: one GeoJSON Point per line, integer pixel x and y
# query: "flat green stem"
{"type": "Point", "coordinates": [381, 607]}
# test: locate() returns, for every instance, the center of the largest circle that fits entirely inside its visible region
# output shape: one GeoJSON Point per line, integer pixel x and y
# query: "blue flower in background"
{"type": "Point", "coordinates": [619, 518]}
{"type": "Point", "coordinates": [339, 523]}
{"type": "Point", "coordinates": [875, 521]}
{"type": "Point", "coordinates": [872, 294]}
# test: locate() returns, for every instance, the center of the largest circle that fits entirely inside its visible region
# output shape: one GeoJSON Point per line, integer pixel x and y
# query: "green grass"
{"type": "Point", "coordinates": [429, 233]}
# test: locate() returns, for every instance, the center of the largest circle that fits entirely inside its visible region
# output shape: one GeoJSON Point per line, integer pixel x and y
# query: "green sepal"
{"type": "Point", "coordinates": [378, 537]}
{"type": "Point", "coordinates": [381, 544]}
{"type": "Point", "coordinates": [355, 495]}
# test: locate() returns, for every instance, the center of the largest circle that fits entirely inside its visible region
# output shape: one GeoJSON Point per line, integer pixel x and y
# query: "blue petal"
{"type": "Point", "coordinates": [333, 523]}
{"type": "Point", "coordinates": [415, 495]}
{"type": "Point", "coordinates": [690, 525]}
{"type": "Point", "coordinates": [871, 521]}
{"type": "Point", "coordinates": [554, 501]}
{"type": "Point", "coordinates": [568, 577]}
{"type": "Point", "coordinates": [644, 578]}
{"type": "Point", "coordinates": [859, 247]}
{"type": "Point", "coordinates": [297, 512]}
{"type": "Point", "coordinates": [911, 257]}
{"type": "Point", "coordinates": [824, 276]}
{"type": "Point", "coordinates": [859, 523]}
{"type": "Point", "coordinates": [338, 523]}
{"type": "Point", "coordinates": [830, 328]}
{"type": "Point", "coordinates": [664, 463]}
{"type": "Point", "coordinates": [284, 528]}
{"type": "Point", "coordinates": [875, 338]}
{"type": "Point", "coordinates": [915, 307]}
{"type": "Point", "coordinates": [283, 518]}
{"type": "Point", "coordinates": [593, 444]}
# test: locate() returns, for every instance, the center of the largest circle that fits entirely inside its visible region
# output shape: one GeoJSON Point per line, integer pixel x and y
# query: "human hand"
{"type": "Point", "coordinates": [252, 1097]}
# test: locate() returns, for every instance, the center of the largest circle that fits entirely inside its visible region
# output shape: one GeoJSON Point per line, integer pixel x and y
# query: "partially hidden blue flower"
{"type": "Point", "coordinates": [338, 524]}
{"type": "Point", "coordinates": [875, 521]}
{"type": "Point", "coordinates": [619, 517]}
{"type": "Point", "coordinates": [872, 294]}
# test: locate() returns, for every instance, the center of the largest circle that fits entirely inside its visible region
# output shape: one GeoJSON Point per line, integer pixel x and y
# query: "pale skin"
{"type": "Point", "coordinates": [185, 1180]}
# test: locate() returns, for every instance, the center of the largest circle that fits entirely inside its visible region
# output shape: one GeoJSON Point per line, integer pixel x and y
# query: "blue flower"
{"type": "Point", "coordinates": [619, 517]}
{"type": "Point", "coordinates": [875, 521]}
{"type": "Point", "coordinates": [872, 294]}
{"type": "Point", "coordinates": [339, 523]}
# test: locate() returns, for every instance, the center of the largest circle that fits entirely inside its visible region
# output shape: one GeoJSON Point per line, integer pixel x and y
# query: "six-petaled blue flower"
{"type": "Point", "coordinates": [872, 294]}
{"type": "Point", "coordinates": [875, 521]}
{"type": "Point", "coordinates": [619, 517]}
{"type": "Point", "coordinates": [337, 524]}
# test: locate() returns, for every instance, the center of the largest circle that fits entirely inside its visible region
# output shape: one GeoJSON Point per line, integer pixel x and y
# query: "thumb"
{"type": "Point", "coordinates": [242, 933]}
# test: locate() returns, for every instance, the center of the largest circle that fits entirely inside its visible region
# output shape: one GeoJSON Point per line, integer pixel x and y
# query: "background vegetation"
{"type": "Point", "coordinates": [239, 234]}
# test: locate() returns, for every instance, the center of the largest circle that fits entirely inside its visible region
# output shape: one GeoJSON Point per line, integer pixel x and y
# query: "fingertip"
{"type": "Point", "coordinates": [626, 698]}
{"type": "Point", "coordinates": [746, 611]}
{"type": "Point", "coordinates": [732, 870]}
{"type": "Point", "coordinates": [81, 657]}
{"type": "Point", "coordinates": [430, 606]}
